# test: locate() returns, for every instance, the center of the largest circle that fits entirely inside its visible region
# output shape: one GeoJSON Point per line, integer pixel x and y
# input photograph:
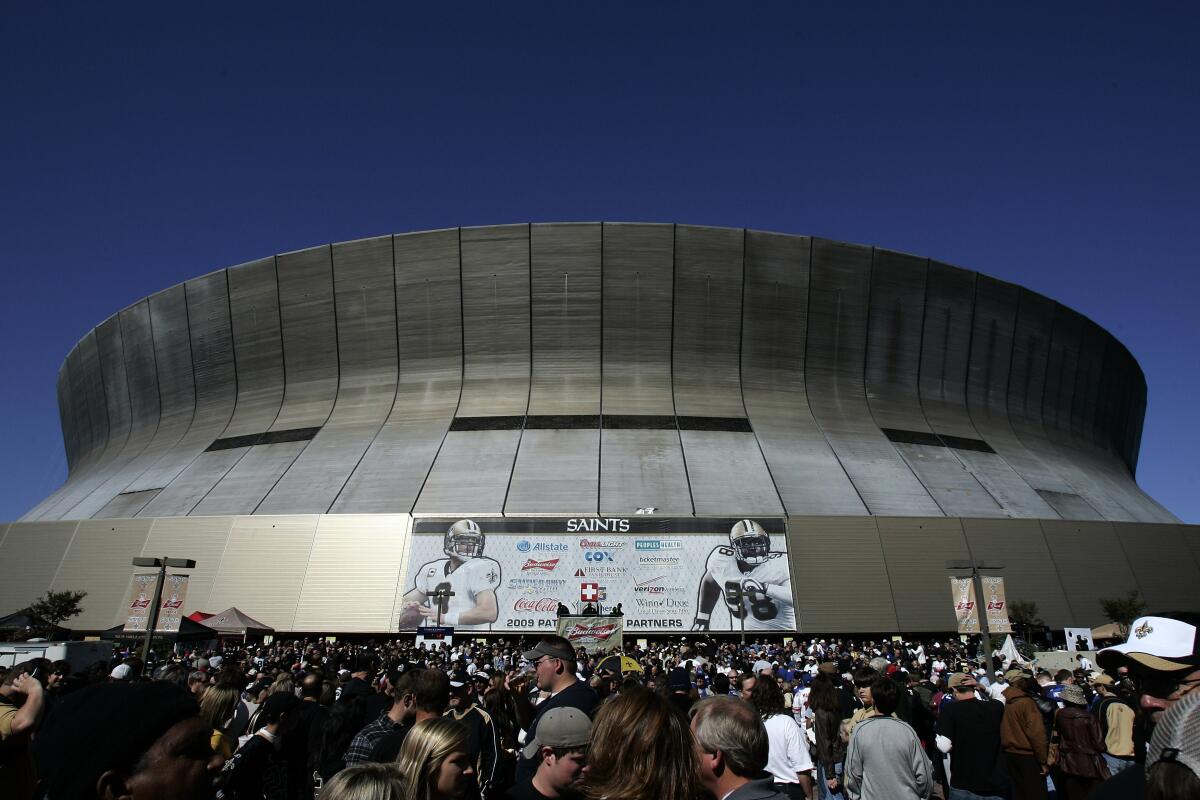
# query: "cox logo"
{"type": "Point", "coordinates": [597, 555]}
{"type": "Point", "coordinates": [523, 546]}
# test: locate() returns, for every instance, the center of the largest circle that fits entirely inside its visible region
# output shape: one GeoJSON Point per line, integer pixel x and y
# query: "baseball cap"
{"type": "Point", "coordinates": [1175, 737]}
{"type": "Point", "coordinates": [962, 679]}
{"type": "Point", "coordinates": [828, 667]}
{"type": "Point", "coordinates": [216, 661]}
{"type": "Point", "coordinates": [545, 648]}
{"type": "Point", "coordinates": [1164, 643]}
{"type": "Point", "coordinates": [677, 678]}
{"type": "Point", "coordinates": [1015, 675]}
{"type": "Point", "coordinates": [121, 672]}
{"type": "Point", "coordinates": [560, 727]}
{"type": "Point", "coordinates": [1102, 679]}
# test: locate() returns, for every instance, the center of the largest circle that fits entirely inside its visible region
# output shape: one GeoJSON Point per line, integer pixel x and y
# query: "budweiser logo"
{"type": "Point", "coordinates": [545, 605]}
{"type": "Point", "coordinates": [583, 631]}
{"type": "Point", "coordinates": [546, 566]}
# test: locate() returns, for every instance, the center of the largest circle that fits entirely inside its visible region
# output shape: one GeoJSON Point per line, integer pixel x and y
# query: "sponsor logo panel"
{"type": "Point", "coordinates": [655, 577]}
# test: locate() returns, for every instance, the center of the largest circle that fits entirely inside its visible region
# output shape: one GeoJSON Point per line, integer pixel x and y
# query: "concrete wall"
{"type": "Point", "coordinates": [341, 573]}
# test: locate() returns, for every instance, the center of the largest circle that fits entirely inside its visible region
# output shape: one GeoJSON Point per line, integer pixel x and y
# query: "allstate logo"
{"type": "Point", "coordinates": [523, 546]}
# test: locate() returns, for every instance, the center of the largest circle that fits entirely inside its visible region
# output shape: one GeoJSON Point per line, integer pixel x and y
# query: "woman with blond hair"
{"type": "Point", "coordinates": [217, 706]}
{"type": "Point", "coordinates": [434, 760]}
{"type": "Point", "coordinates": [369, 781]}
{"type": "Point", "coordinates": [641, 749]}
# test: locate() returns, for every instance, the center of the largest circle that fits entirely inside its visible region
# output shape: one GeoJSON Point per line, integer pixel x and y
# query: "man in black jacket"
{"type": "Point", "coordinates": [554, 665]}
{"type": "Point", "coordinates": [972, 727]}
{"type": "Point", "coordinates": [258, 770]}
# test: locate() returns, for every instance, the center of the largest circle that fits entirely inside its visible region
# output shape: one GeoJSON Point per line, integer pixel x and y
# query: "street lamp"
{"type": "Point", "coordinates": [985, 637]}
{"type": "Point", "coordinates": [162, 564]}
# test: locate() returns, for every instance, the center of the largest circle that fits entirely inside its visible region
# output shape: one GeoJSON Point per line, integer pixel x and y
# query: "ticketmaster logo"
{"type": "Point", "coordinates": [659, 561]}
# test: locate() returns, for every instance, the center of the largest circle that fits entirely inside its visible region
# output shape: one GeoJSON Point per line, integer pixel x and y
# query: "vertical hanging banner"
{"type": "Point", "coordinates": [995, 606]}
{"type": "Point", "coordinates": [171, 611]}
{"type": "Point", "coordinates": [667, 573]}
{"type": "Point", "coordinates": [966, 610]}
{"type": "Point", "coordinates": [139, 603]}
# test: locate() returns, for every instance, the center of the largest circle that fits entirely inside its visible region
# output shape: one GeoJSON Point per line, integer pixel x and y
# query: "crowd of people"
{"type": "Point", "coordinates": [527, 720]}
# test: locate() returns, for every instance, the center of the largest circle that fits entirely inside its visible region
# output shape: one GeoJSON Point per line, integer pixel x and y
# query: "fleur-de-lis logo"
{"type": "Point", "coordinates": [1143, 630]}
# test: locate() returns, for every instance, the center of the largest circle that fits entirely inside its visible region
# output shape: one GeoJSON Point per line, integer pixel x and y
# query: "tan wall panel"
{"type": "Point", "coordinates": [29, 559]}
{"type": "Point", "coordinates": [263, 567]}
{"type": "Point", "coordinates": [353, 572]}
{"type": "Point", "coordinates": [1162, 563]}
{"type": "Point", "coordinates": [1029, 573]}
{"type": "Point", "coordinates": [839, 580]}
{"type": "Point", "coordinates": [99, 562]}
{"type": "Point", "coordinates": [199, 538]}
{"type": "Point", "coordinates": [1091, 565]}
{"type": "Point", "coordinates": [915, 550]}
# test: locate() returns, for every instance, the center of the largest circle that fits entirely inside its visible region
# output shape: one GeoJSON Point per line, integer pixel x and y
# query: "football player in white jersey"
{"type": "Point", "coordinates": [466, 572]}
{"type": "Point", "coordinates": [754, 582]}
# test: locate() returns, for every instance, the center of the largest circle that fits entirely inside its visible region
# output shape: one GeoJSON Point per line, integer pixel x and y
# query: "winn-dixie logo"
{"type": "Point", "coordinates": [583, 631]}
{"type": "Point", "coordinates": [601, 544]}
{"type": "Point", "coordinates": [657, 544]}
{"type": "Point", "coordinates": [545, 566]}
{"type": "Point", "coordinates": [545, 605]}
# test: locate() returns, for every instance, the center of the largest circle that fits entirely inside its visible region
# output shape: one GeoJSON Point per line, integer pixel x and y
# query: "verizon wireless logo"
{"type": "Point", "coordinates": [545, 566]}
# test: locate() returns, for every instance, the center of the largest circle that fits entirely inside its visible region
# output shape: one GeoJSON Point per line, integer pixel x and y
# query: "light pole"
{"type": "Point", "coordinates": [985, 636]}
{"type": "Point", "coordinates": [162, 564]}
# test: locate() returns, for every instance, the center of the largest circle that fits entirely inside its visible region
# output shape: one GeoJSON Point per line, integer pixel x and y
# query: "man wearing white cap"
{"type": "Point", "coordinates": [1162, 654]}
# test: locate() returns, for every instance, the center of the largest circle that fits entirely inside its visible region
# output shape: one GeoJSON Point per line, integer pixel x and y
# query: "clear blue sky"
{"type": "Point", "coordinates": [1054, 146]}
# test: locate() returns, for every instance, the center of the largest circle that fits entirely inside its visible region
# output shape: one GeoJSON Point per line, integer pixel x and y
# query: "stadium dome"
{"type": "Point", "coordinates": [876, 405]}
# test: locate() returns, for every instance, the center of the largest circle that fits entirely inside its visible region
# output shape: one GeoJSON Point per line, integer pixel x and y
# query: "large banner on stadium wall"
{"type": "Point", "coordinates": [667, 573]}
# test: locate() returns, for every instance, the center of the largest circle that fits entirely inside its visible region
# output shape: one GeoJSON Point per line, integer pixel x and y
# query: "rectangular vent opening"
{"type": "Point", "coordinates": [267, 437]}
{"type": "Point", "coordinates": [935, 440]}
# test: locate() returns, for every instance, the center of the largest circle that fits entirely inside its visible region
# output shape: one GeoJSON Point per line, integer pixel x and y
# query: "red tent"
{"type": "Point", "coordinates": [198, 616]}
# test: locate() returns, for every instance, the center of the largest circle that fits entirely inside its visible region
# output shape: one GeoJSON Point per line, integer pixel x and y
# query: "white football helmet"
{"type": "Point", "coordinates": [750, 542]}
{"type": "Point", "coordinates": [464, 539]}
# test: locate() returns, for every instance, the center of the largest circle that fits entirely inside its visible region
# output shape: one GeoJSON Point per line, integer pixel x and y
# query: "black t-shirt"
{"type": "Point", "coordinates": [977, 761]}
{"type": "Point", "coordinates": [524, 791]}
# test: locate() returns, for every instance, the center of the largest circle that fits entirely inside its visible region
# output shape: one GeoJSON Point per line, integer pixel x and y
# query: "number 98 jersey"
{"type": "Point", "coordinates": [474, 576]}
{"type": "Point", "coordinates": [761, 595]}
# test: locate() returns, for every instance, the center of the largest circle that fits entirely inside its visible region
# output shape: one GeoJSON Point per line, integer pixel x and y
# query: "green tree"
{"type": "Point", "coordinates": [1123, 610]}
{"type": "Point", "coordinates": [1024, 615]}
{"type": "Point", "coordinates": [56, 608]}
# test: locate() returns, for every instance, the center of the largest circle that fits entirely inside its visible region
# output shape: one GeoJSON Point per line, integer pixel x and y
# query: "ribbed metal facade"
{"type": "Point", "coordinates": [600, 368]}
{"type": "Point", "coordinates": [288, 421]}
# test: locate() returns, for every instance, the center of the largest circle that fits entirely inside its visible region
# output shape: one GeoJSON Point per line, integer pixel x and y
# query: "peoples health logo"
{"type": "Point", "coordinates": [657, 544]}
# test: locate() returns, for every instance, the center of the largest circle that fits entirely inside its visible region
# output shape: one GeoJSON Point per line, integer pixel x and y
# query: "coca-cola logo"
{"type": "Point", "coordinates": [590, 631]}
{"type": "Point", "coordinates": [545, 605]}
{"type": "Point", "coordinates": [547, 566]}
